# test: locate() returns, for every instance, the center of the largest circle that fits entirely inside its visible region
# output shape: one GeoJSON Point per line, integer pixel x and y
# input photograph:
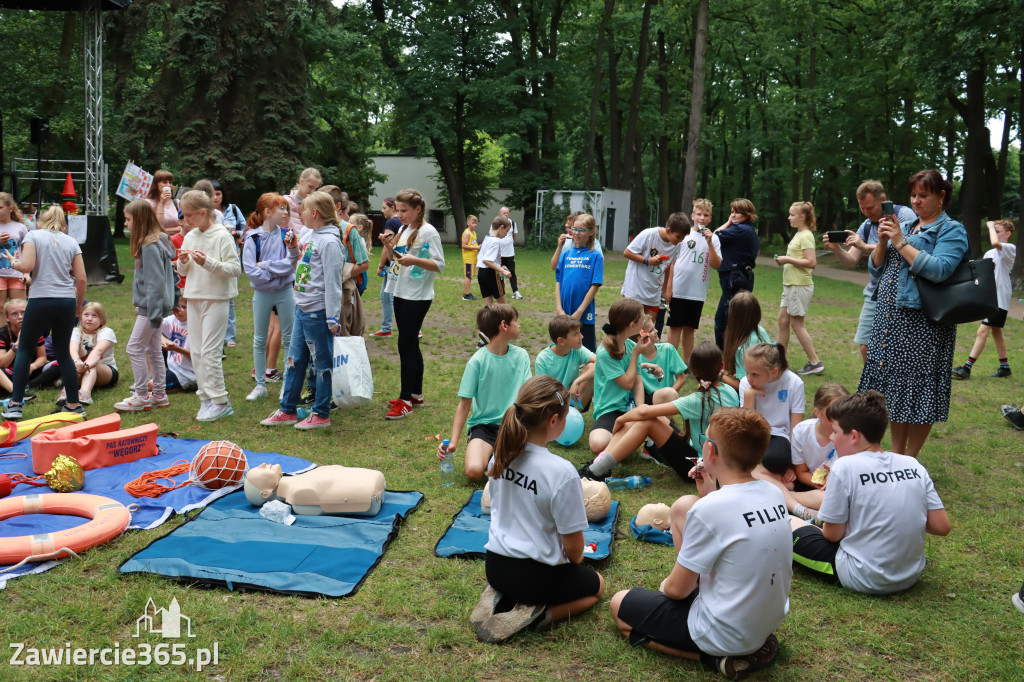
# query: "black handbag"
{"type": "Point", "coordinates": [967, 295]}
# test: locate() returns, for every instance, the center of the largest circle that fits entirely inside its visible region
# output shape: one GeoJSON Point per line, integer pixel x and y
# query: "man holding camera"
{"type": "Point", "coordinates": [870, 199]}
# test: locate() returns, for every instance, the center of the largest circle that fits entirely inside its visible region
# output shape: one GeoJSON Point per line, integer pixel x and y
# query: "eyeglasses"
{"type": "Point", "coordinates": [16, 314]}
{"type": "Point", "coordinates": [704, 439]}
{"type": "Point", "coordinates": [578, 230]}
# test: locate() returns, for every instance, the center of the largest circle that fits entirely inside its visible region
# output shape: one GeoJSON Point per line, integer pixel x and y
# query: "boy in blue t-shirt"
{"type": "Point", "coordinates": [568, 361]}
{"type": "Point", "coordinates": [489, 386]}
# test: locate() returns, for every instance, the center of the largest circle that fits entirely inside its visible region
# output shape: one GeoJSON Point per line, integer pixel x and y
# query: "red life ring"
{"type": "Point", "coordinates": [108, 519]}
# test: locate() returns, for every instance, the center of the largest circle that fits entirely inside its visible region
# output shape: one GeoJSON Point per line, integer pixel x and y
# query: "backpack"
{"type": "Point", "coordinates": [361, 279]}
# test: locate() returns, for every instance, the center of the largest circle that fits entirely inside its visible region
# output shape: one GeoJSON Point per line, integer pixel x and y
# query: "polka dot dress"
{"type": "Point", "coordinates": [909, 356]}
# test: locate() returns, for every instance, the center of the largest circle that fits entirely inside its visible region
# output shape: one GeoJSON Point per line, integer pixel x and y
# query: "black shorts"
{"type": "Point", "coordinates": [812, 550]}
{"type": "Point", "coordinates": [654, 617]}
{"type": "Point", "coordinates": [997, 321]}
{"type": "Point", "coordinates": [114, 376]}
{"type": "Point", "coordinates": [488, 433]}
{"type": "Point", "coordinates": [525, 581]}
{"type": "Point", "coordinates": [682, 312]}
{"type": "Point", "coordinates": [677, 453]}
{"type": "Point", "coordinates": [490, 282]}
{"type": "Point", "coordinates": [607, 421]}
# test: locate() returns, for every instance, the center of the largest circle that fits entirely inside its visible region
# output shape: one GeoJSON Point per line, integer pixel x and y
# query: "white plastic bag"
{"type": "Point", "coordinates": [351, 376]}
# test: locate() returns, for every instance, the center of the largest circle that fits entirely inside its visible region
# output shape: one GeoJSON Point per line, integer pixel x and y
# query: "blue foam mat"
{"type": "Point", "coordinates": [649, 533]}
{"type": "Point", "coordinates": [230, 544]}
{"type": "Point", "coordinates": [110, 482]}
{"type": "Point", "coordinates": [467, 534]}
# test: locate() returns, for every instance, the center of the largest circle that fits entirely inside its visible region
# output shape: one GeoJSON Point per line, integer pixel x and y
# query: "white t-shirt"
{"type": "Point", "coordinates": [508, 243]}
{"type": "Point", "coordinates": [401, 280]}
{"type": "Point", "coordinates": [690, 276]}
{"type": "Point", "coordinates": [884, 500]}
{"type": "Point", "coordinates": [181, 365]}
{"type": "Point", "coordinates": [738, 539]}
{"type": "Point", "coordinates": [490, 249]}
{"type": "Point", "coordinates": [643, 282]}
{"type": "Point", "coordinates": [538, 498]}
{"type": "Point", "coordinates": [1004, 264]}
{"type": "Point", "coordinates": [782, 397]}
{"type": "Point", "coordinates": [805, 446]}
{"type": "Point", "coordinates": [89, 341]}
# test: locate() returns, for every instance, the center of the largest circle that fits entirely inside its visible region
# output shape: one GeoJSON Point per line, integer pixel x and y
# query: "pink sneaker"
{"type": "Point", "coordinates": [134, 403]}
{"type": "Point", "coordinates": [157, 400]}
{"type": "Point", "coordinates": [280, 418]}
{"type": "Point", "coordinates": [313, 421]}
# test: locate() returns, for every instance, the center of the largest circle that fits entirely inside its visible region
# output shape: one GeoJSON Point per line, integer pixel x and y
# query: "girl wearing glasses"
{"type": "Point", "coordinates": [578, 276]}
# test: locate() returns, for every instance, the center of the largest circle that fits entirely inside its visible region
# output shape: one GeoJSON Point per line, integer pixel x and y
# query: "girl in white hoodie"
{"type": "Point", "coordinates": [209, 261]}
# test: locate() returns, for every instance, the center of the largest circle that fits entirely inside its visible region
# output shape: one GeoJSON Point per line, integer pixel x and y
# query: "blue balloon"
{"type": "Point", "coordinates": [573, 428]}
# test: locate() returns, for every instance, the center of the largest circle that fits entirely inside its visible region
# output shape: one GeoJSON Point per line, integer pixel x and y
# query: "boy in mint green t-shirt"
{"type": "Point", "coordinates": [489, 386]}
{"type": "Point", "coordinates": [568, 361]}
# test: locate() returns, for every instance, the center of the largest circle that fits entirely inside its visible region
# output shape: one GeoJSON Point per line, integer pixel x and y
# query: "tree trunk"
{"type": "Point", "coordinates": [664, 174]}
{"type": "Point", "coordinates": [451, 181]}
{"type": "Point", "coordinates": [693, 132]}
{"type": "Point", "coordinates": [972, 191]}
{"type": "Point", "coordinates": [812, 81]}
{"type": "Point", "coordinates": [1017, 275]}
{"type": "Point", "coordinates": [633, 162]}
{"type": "Point", "coordinates": [614, 127]}
{"type": "Point", "coordinates": [609, 7]}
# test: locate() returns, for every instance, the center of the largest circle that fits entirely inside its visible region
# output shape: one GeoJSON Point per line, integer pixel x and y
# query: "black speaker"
{"type": "Point", "coordinates": [40, 131]}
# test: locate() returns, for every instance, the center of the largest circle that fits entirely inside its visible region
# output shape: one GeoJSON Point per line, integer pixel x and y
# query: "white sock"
{"type": "Point", "coordinates": [603, 464]}
{"type": "Point", "coordinates": [799, 510]}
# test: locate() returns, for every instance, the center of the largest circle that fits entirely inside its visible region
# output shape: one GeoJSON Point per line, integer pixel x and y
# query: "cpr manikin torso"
{"type": "Point", "coordinates": [331, 489]}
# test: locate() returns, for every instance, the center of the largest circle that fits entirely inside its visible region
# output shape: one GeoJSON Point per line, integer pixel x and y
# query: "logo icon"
{"type": "Point", "coordinates": [170, 621]}
{"type": "Point", "coordinates": [783, 394]}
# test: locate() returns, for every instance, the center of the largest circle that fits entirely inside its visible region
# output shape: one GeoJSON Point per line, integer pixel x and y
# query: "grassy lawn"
{"type": "Point", "coordinates": [410, 618]}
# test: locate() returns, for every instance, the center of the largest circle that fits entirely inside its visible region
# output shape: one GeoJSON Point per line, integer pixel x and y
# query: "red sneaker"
{"type": "Point", "coordinates": [313, 422]}
{"type": "Point", "coordinates": [380, 333]}
{"type": "Point", "coordinates": [399, 409]}
{"type": "Point", "coordinates": [416, 402]}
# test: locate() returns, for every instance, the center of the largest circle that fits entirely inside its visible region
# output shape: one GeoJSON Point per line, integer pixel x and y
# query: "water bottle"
{"type": "Point", "coordinates": [821, 473]}
{"type": "Point", "coordinates": [631, 483]}
{"type": "Point", "coordinates": [447, 465]}
{"type": "Point", "coordinates": [424, 252]}
{"type": "Point", "coordinates": [302, 412]}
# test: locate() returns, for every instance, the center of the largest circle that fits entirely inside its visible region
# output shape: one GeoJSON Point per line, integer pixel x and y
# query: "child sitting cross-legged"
{"type": "Point", "coordinates": [568, 360]}
{"type": "Point", "coordinates": [489, 385]}
{"type": "Point", "coordinates": [661, 364]}
{"type": "Point", "coordinates": [535, 541]}
{"type": "Point", "coordinates": [878, 506]}
{"type": "Point", "coordinates": [728, 589]}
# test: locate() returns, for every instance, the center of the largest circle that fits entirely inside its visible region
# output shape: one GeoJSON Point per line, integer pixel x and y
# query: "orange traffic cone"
{"type": "Point", "coordinates": [69, 194]}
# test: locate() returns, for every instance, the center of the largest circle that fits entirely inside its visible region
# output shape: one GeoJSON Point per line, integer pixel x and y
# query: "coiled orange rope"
{"type": "Point", "coordinates": [146, 486]}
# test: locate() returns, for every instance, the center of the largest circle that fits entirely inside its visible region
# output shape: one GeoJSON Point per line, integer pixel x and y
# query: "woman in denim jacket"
{"type": "Point", "coordinates": [909, 355]}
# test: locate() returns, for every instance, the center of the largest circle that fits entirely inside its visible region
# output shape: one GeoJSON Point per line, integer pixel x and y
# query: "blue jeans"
{"type": "Point", "coordinates": [311, 341]}
{"type": "Point", "coordinates": [232, 331]}
{"type": "Point", "coordinates": [387, 305]}
{"type": "Point", "coordinates": [262, 303]}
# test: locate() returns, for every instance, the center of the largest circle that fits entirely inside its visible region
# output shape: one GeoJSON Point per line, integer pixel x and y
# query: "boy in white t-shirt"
{"type": "Point", "coordinates": [729, 587]}
{"type": "Point", "coordinates": [688, 286]}
{"type": "Point", "coordinates": [489, 269]}
{"type": "Point", "coordinates": [651, 255]}
{"type": "Point", "coordinates": [178, 358]}
{"type": "Point", "coordinates": [1003, 253]}
{"type": "Point", "coordinates": [811, 442]}
{"type": "Point", "coordinates": [877, 508]}
{"type": "Point", "coordinates": [567, 360]}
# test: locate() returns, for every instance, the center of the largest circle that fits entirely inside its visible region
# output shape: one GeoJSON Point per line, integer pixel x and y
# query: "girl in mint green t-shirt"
{"type": "Point", "coordinates": [743, 331]}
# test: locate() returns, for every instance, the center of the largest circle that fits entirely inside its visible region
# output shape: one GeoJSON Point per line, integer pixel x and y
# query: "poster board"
{"type": "Point", "coordinates": [135, 183]}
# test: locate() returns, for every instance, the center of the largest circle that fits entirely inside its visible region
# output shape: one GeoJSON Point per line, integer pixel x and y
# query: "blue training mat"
{"type": "Point", "coordinates": [649, 533]}
{"type": "Point", "coordinates": [110, 482]}
{"type": "Point", "coordinates": [230, 544]}
{"type": "Point", "coordinates": [467, 534]}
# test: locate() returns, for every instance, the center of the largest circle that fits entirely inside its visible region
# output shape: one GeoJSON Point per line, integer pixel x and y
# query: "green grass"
{"type": "Point", "coordinates": [410, 619]}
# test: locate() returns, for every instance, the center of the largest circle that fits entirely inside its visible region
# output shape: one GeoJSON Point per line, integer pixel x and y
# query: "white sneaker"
{"type": "Point", "coordinates": [134, 403]}
{"type": "Point", "coordinates": [204, 408]}
{"type": "Point", "coordinates": [217, 411]}
{"type": "Point", "coordinates": [257, 393]}
{"type": "Point", "coordinates": [516, 295]}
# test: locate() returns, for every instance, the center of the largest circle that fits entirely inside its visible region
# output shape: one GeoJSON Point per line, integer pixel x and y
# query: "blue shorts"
{"type": "Point", "coordinates": [867, 318]}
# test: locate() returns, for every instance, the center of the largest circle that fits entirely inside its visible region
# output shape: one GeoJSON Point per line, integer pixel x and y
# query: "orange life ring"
{"type": "Point", "coordinates": [108, 519]}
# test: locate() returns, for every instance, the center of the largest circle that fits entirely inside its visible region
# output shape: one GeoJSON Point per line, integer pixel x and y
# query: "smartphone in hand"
{"type": "Point", "coordinates": [887, 209]}
{"type": "Point", "coordinates": [837, 236]}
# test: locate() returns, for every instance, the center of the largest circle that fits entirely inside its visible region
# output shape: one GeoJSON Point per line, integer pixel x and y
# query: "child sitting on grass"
{"type": "Point", "coordinates": [877, 507]}
{"type": "Point", "coordinates": [672, 447]}
{"type": "Point", "coordinates": [567, 360]}
{"type": "Point", "coordinates": [489, 385]}
{"type": "Point", "coordinates": [177, 356]}
{"type": "Point", "coordinates": [535, 574]}
{"type": "Point", "coordinates": [776, 392]}
{"type": "Point", "coordinates": [741, 332]}
{"type": "Point", "coordinates": [729, 586]}
{"type": "Point", "coordinates": [812, 438]}
{"type": "Point", "coordinates": [661, 365]}
{"type": "Point", "coordinates": [92, 347]}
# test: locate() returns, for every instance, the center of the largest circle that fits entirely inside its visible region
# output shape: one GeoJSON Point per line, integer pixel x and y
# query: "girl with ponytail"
{"type": "Point", "coordinates": [616, 372]}
{"type": "Point", "coordinates": [673, 447]}
{"type": "Point", "coordinates": [535, 542]}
